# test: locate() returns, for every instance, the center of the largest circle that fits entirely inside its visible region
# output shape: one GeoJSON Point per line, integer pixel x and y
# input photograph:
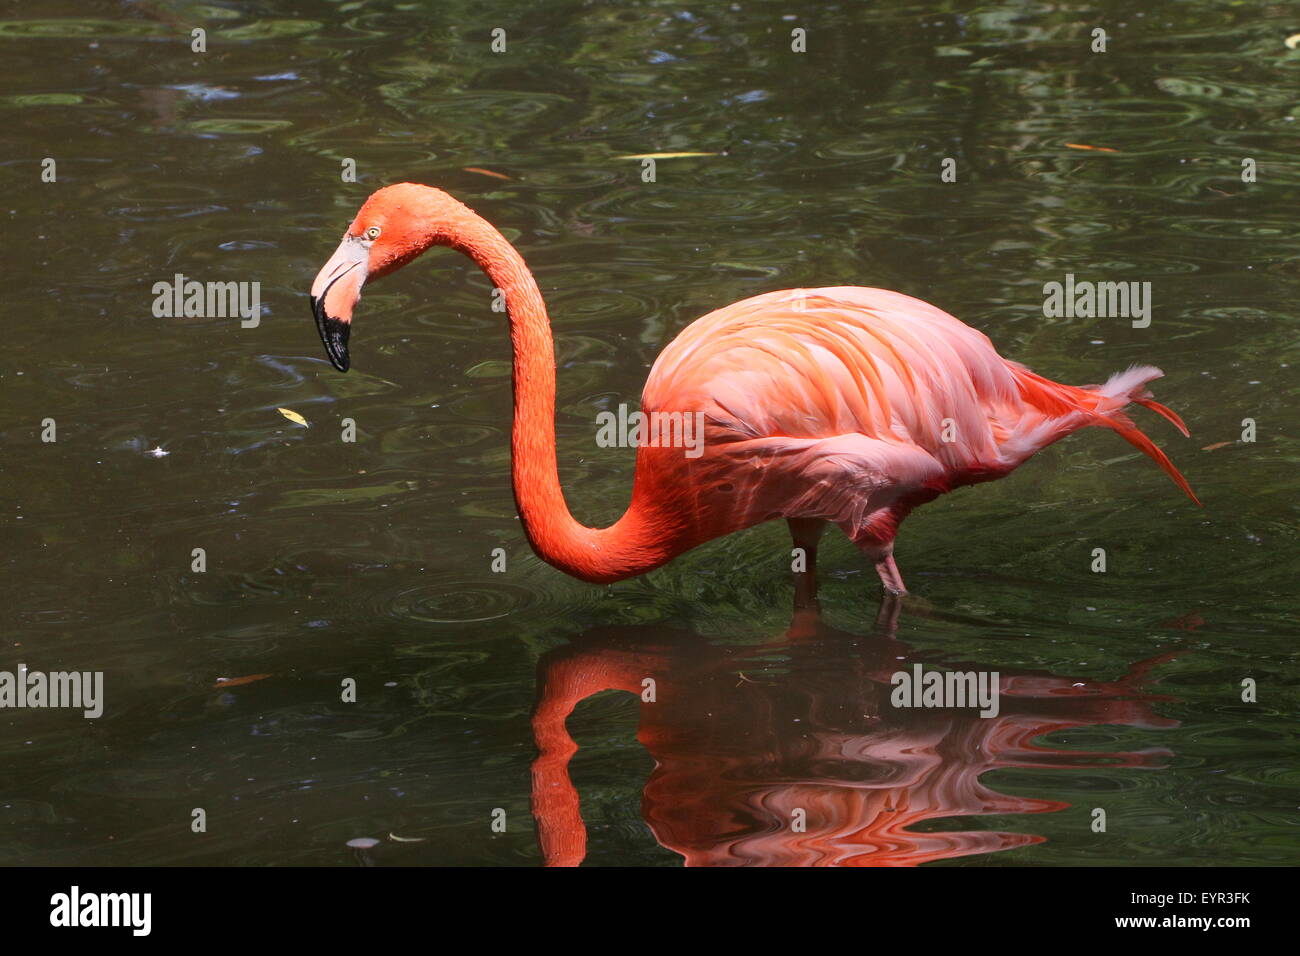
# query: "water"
{"type": "Point", "coordinates": [371, 561]}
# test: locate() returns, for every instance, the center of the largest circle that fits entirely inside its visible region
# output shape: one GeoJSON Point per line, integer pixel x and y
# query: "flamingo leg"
{"type": "Point", "coordinates": [806, 532]}
{"type": "Point", "coordinates": [889, 576]}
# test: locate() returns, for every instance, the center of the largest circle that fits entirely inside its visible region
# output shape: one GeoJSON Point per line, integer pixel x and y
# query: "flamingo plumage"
{"type": "Point", "coordinates": [845, 405]}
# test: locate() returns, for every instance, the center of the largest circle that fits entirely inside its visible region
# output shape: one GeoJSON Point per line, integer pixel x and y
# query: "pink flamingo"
{"type": "Point", "coordinates": [843, 404]}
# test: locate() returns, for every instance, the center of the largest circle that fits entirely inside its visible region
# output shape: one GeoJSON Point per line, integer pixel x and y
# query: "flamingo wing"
{"type": "Point", "coordinates": [816, 363]}
{"type": "Point", "coordinates": [854, 404]}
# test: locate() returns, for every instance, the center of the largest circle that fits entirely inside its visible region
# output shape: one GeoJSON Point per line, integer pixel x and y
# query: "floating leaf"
{"type": "Point", "coordinates": [664, 155]}
{"type": "Point", "coordinates": [315, 497]}
{"type": "Point", "coordinates": [45, 99]}
{"type": "Point", "coordinates": [265, 29]}
{"type": "Point", "coordinates": [236, 126]}
{"type": "Point", "coordinates": [1100, 149]}
{"type": "Point", "coordinates": [294, 417]}
{"type": "Point", "coordinates": [363, 843]}
{"type": "Point", "coordinates": [485, 172]}
{"type": "Point", "coordinates": [491, 368]}
{"type": "Point", "coordinates": [1218, 444]}
{"type": "Point", "coordinates": [236, 681]}
{"type": "Point", "coordinates": [396, 839]}
{"type": "Point", "coordinates": [1292, 41]}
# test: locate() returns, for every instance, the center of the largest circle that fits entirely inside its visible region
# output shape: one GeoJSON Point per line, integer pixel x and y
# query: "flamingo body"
{"type": "Point", "coordinates": [846, 405]}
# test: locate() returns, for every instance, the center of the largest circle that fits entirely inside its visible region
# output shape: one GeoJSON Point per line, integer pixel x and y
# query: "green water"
{"type": "Point", "coordinates": [371, 560]}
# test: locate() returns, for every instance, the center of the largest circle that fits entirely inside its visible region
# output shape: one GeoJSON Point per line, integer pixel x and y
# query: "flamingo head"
{"type": "Point", "coordinates": [393, 226]}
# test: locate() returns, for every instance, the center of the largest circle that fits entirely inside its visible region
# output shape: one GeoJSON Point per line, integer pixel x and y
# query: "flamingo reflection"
{"type": "Point", "coordinates": [791, 754]}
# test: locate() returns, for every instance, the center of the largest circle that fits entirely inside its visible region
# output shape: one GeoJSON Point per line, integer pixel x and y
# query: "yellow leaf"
{"type": "Point", "coordinates": [396, 839]}
{"type": "Point", "coordinates": [663, 155]}
{"type": "Point", "coordinates": [1292, 41]}
{"type": "Point", "coordinates": [294, 417]}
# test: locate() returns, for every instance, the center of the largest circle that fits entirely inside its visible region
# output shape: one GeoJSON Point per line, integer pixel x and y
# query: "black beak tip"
{"type": "Point", "coordinates": [334, 334]}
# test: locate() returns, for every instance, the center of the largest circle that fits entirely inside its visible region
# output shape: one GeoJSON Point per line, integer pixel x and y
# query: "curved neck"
{"type": "Point", "coordinates": [636, 542]}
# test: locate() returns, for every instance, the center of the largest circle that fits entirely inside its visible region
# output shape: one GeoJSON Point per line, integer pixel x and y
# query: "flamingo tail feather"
{"type": "Point", "coordinates": [1130, 386]}
{"type": "Point", "coordinates": [1104, 407]}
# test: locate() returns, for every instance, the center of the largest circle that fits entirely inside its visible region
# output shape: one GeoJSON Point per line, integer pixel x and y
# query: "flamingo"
{"type": "Point", "coordinates": [847, 405]}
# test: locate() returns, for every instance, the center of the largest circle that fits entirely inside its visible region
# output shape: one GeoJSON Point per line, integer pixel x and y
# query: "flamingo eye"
{"type": "Point", "coordinates": [372, 233]}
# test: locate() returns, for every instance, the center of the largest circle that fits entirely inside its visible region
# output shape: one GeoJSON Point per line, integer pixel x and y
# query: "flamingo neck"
{"type": "Point", "coordinates": [631, 545]}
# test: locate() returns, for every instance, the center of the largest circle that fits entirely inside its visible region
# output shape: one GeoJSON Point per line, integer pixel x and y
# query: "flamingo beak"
{"type": "Point", "coordinates": [333, 295]}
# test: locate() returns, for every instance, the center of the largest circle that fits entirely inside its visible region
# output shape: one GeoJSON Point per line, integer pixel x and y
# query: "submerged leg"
{"type": "Point", "coordinates": [806, 532]}
{"type": "Point", "coordinates": [886, 623]}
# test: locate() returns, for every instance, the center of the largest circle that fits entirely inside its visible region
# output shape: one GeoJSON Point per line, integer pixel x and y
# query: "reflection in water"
{"type": "Point", "coordinates": [737, 757]}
